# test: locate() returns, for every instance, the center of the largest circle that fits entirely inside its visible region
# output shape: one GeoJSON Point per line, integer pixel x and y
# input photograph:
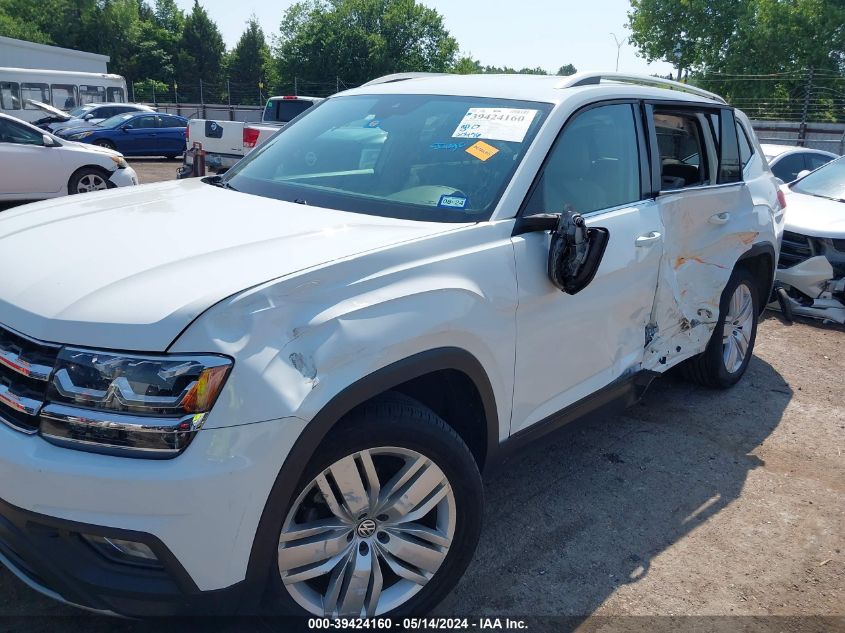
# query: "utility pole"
{"type": "Point", "coordinates": [805, 111]}
{"type": "Point", "coordinates": [619, 45]}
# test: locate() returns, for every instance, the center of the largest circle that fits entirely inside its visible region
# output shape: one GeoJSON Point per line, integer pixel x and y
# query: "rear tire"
{"type": "Point", "coordinates": [403, 543]}
{"type": "Point", "coordinates": [731, 345]}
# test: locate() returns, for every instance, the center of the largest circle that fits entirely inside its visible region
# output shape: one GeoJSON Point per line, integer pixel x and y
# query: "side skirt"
{"type": "Point", "coordinates": [613, 398]}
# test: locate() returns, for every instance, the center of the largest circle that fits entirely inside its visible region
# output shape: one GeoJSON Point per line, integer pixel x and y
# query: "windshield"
{"type": "Point", "coordinates": [419, 157]}
{"type": "Point", "coordinates": [826, 182]}
{"type": "Point", "coordinates": [80, 112]}
{"type": "Point", "coordinates": [116, 120]}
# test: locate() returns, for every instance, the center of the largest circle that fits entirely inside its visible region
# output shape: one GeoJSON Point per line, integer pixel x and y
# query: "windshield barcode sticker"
{"type": "Point", "coordinates": [495, 124]}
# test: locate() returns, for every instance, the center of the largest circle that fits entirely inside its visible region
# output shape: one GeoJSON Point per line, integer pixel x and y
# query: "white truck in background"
{"type": "Point", "coordinates": [226, 142]}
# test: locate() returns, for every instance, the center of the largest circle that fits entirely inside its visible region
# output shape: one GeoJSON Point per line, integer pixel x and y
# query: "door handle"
{"type": "Point", "coordinates": [648, 239]}
{"type": "Point", "coordinates": [720, 218]}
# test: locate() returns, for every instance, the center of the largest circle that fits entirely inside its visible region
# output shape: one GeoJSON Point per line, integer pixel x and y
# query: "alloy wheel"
{"type": "Point", "coordinates": [367, 533]}
{"type": "Point", "coordinates": [91, 182]}
{"type": "Point", "coordinates": [739, 325]}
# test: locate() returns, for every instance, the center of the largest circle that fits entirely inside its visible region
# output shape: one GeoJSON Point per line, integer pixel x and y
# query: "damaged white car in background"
{"type": "Point", "coordinates": [810, 279]}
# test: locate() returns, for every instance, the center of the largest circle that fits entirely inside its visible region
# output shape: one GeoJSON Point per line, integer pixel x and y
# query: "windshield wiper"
{"type": "Point", "coordinates": [218, 182]}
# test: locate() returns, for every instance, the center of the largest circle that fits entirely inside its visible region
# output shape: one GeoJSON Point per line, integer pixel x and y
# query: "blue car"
{"type": "Point", "coordinates": [135, 134]}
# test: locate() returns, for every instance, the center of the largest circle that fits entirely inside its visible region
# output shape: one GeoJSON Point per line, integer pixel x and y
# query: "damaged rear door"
{"type": "Point", "coordinates": [709, 221]}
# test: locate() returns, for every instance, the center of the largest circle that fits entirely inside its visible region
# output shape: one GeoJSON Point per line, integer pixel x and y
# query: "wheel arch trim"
{"type": "Point", "coordinates": [263, 548]}
{"type": "Point", "coordinates": [755, 252]}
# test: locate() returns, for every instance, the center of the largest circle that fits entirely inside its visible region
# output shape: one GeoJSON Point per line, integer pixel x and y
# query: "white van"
{"type": "Point", "coordinates": [63, 89]}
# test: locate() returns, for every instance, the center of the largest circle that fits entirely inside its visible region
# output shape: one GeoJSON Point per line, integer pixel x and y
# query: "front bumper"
{"type": "Point", "coordinates": [126, 177]}
{"type": "Point", "coordinates": [198, 513]}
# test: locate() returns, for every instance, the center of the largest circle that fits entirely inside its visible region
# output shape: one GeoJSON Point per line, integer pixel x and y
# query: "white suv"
{"type": "Point", "coordinates": [280, 386]}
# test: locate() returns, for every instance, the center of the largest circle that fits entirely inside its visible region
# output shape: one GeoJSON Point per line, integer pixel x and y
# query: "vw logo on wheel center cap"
{"type": "Point", "coordinates": [366, 528]}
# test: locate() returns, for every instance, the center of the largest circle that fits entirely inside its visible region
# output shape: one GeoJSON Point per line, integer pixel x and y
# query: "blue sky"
{"type": "Point", "coordinates": [517, 33]}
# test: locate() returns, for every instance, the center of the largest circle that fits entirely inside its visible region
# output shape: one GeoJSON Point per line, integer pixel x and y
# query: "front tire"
{"type": "Point", "coordinates": [385, 519]}
{"type": "Point", "coordinates": [87, 179]}
{"type": "Point", "coordinates": [724, 361]}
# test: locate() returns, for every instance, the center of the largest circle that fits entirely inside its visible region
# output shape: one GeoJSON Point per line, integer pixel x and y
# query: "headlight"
{"type": "Point", "coordinates": [78, 135]}
{"type": "Point", "coordinates": [130, 405]}
{"type": "Point", "coordinates": [119, 161]}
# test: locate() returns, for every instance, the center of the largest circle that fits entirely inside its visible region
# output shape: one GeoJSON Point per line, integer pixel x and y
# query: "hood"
{"type": "Point", "coordinates": [86, 147]}
{"type": "Point", "coordinates": [55, 112]}
{"type": "Point", "coordinates": [814, 216]}
{"type": "Point", "coordinates": [83, 127]}
{"type": "Point", "coordinates": [131, 268]}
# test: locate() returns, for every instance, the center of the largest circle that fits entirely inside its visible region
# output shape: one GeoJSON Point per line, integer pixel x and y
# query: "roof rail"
{"type": "Point", "coordinates": [389, 79]}
{"type": "Point", "coordinates": [594, 78]}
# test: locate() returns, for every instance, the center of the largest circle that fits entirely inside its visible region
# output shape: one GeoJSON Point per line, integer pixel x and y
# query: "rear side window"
{"type": "Point", "coordinates": [746, 149]}
{"type": "Point", "coordinates": [34, 92]}
{"type": "Point", "coordinates": [170, 121]}
{"type": "Point", "coordinates": [683, 154]}
{"type": "Point", "coordinates": [594, 164]}
{"type": "Point", "coordinates": [10, 95]}
{"type": "Point", "coordinates": [730, 169]}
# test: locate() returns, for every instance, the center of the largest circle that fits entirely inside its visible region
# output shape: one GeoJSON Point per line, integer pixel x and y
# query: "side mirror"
{"type": "Point", "coordinates": [127, 127]}
{"type": "Point", "coordinates": [48, 140]}
{"type": "Point", "coordinates": [88, 117]}
{"type": "Point", "coordinates": [576, 250]}
{"type": "Point", "coordinates": [802, 173]}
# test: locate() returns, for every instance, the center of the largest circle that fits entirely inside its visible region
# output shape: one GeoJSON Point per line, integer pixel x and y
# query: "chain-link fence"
{"type": "Point", "coordinates": [227, 92]}
{"type": "Point", "coordinates": [805, 107]}
{"type": "Point", "coordinates": [802, 96]}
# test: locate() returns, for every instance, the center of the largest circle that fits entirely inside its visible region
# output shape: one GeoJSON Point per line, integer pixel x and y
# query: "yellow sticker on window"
{"type": "Point", "coordinates": [482, 150]}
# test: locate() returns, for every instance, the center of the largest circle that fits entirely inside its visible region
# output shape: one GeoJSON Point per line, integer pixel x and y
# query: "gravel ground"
{"type": "Point", "coordinates": [692, 503]}
{"type": "Point", "coordinates": [155, 169]}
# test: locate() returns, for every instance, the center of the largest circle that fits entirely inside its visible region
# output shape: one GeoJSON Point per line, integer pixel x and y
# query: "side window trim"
{"type": "Point", "coordinates": [635, 104]}
{"type": "Point", "coordinates": [707, 110]}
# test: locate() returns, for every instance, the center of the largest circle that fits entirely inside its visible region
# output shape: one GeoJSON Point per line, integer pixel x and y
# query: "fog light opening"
{"type": "Point", "coordinates": [123, 551]}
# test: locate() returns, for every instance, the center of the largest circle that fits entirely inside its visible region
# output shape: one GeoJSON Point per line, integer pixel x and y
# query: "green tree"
{"type": "Point", "coordinates": [249, 63]}
{"type": "Point", "coordinates": [466, 65]}
{"type": "Point", "coordinates": [684, 33]}
{"type": "Point", "coordinates": [165, 34]}
{"type": "Point", "coordinates": [10, 26]}
{"type": "Point", "coordinates": [200, 55]}
{"type": "Point", "coordinates": [361, 39]}
{"type": "Point", "coordinates": [566, 70]}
